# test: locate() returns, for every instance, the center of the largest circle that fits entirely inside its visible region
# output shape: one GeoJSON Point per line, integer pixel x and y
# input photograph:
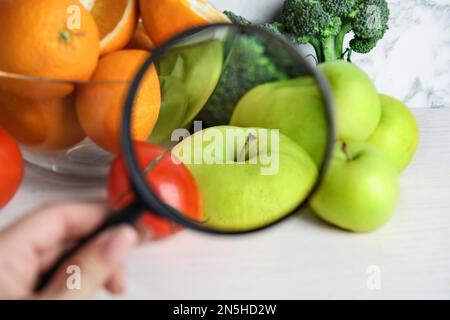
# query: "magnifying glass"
{"type": "Point", "coordinates": [247, 117]}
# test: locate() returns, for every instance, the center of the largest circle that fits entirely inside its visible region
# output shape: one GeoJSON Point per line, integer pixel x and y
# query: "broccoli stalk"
{"type": "Point", "coordinates": [325, 23]}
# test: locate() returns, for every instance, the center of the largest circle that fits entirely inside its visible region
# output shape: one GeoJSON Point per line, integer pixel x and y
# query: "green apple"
{"type": "Point", "coordinates": [360, 189]}
{"type": "Point", "coordinates": [188, 76]}
{"type": "Point", "coordinates": [397, 133]}
{"type": "Point", "coordinates": [248, 177]}
{"type": "Point", "coordinates": [295, 107]}
{"type": "Point", "coordinates": [356, 100]}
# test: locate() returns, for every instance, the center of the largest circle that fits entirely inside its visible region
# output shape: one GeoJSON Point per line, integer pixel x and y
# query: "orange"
{"type": "Point", "coordinates": [47, 38]}
{"type": "Point", "coordinates": [164, 19]}
{"type": "Point", "coordinates": [116, 21]}
{"type": "Point", "coordinates": [141, 40]}
{"type": "Point", "coordinates": [100, 104]}
{"type": "Point", "coordinates": [41, 124]}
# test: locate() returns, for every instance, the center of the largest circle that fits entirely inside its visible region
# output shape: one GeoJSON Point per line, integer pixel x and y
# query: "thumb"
{"type": "Point", "coordinates": [93, 265]}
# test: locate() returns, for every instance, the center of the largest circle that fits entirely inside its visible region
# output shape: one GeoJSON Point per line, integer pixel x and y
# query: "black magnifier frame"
{"type": "Point", "coordinates": [146, 198]}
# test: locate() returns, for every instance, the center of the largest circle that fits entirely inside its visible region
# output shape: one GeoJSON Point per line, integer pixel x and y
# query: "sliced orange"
{"type": "Point", "coordinates": [141, 40]}
{"type": "Point", "coordinates": [116, 21]}
{"type": "Point", "coordinates": [163, 19]}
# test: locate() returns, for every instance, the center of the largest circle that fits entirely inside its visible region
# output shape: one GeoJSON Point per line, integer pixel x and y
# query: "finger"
{"type": "Point", "coordinates": [97, 262]}
{"type": "Point", "coordinates": [116, 284]}
{"type": "Point", "coordinates": [48, 258]}
{"type": "Point", "coordinates": [145, 234]}
{"type": "Point", "coordinates": [52, 226]}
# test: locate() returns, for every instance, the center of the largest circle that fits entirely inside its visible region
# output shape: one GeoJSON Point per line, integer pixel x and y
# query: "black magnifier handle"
{"type": "Point", "coordinates": [129, 215]}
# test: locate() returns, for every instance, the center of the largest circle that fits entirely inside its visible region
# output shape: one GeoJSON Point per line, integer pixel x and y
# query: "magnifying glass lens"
{"type": "Point", "coordinates": [242, 135]}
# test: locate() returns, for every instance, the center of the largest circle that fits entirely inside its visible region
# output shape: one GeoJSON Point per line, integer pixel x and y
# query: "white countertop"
{"type": "Point", "coordinates": [302, 257]}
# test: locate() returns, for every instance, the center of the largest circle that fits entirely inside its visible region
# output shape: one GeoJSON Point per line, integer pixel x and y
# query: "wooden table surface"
{"type": "Point", "coordinates": [302, 257]}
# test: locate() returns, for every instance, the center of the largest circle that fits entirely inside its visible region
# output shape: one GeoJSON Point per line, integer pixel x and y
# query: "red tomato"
{"type": "Point", "coordinates": [11, 167]}
{"type": "Point", "coordinates": [171, 182]}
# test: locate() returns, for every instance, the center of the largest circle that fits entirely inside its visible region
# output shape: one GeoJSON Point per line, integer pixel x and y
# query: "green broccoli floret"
{"type": "Point", "coordinates": [236, 19]}
{"type": "Point", "coordinates": [363, 45]}
{"type": "Point", "coordinates": [340, 8]}
{"type": "Point", "coordinates": [324, 24]}
{"type": "Point", "coordinates": [246, 66]}
{"type": "Point", "coordinates": [274, 27]}
{"type": "Point", "coordinates": [371, 19]}
{"type": "Point", "coordinates": [277, 28]}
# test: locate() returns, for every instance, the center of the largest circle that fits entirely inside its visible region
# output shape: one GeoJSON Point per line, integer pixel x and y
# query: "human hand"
{"type": "Point", "coordinates": [33, 244]}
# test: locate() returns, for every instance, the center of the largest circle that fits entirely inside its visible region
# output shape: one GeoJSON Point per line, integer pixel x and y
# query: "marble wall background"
{"type": "Point", "coordinates": [412, 61]}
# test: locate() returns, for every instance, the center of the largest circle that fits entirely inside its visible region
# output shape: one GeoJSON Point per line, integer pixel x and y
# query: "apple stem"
{"type": "Point", "coordinates": [244, 153]}
{"type": "Point", "coordinates": [347, 152]}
